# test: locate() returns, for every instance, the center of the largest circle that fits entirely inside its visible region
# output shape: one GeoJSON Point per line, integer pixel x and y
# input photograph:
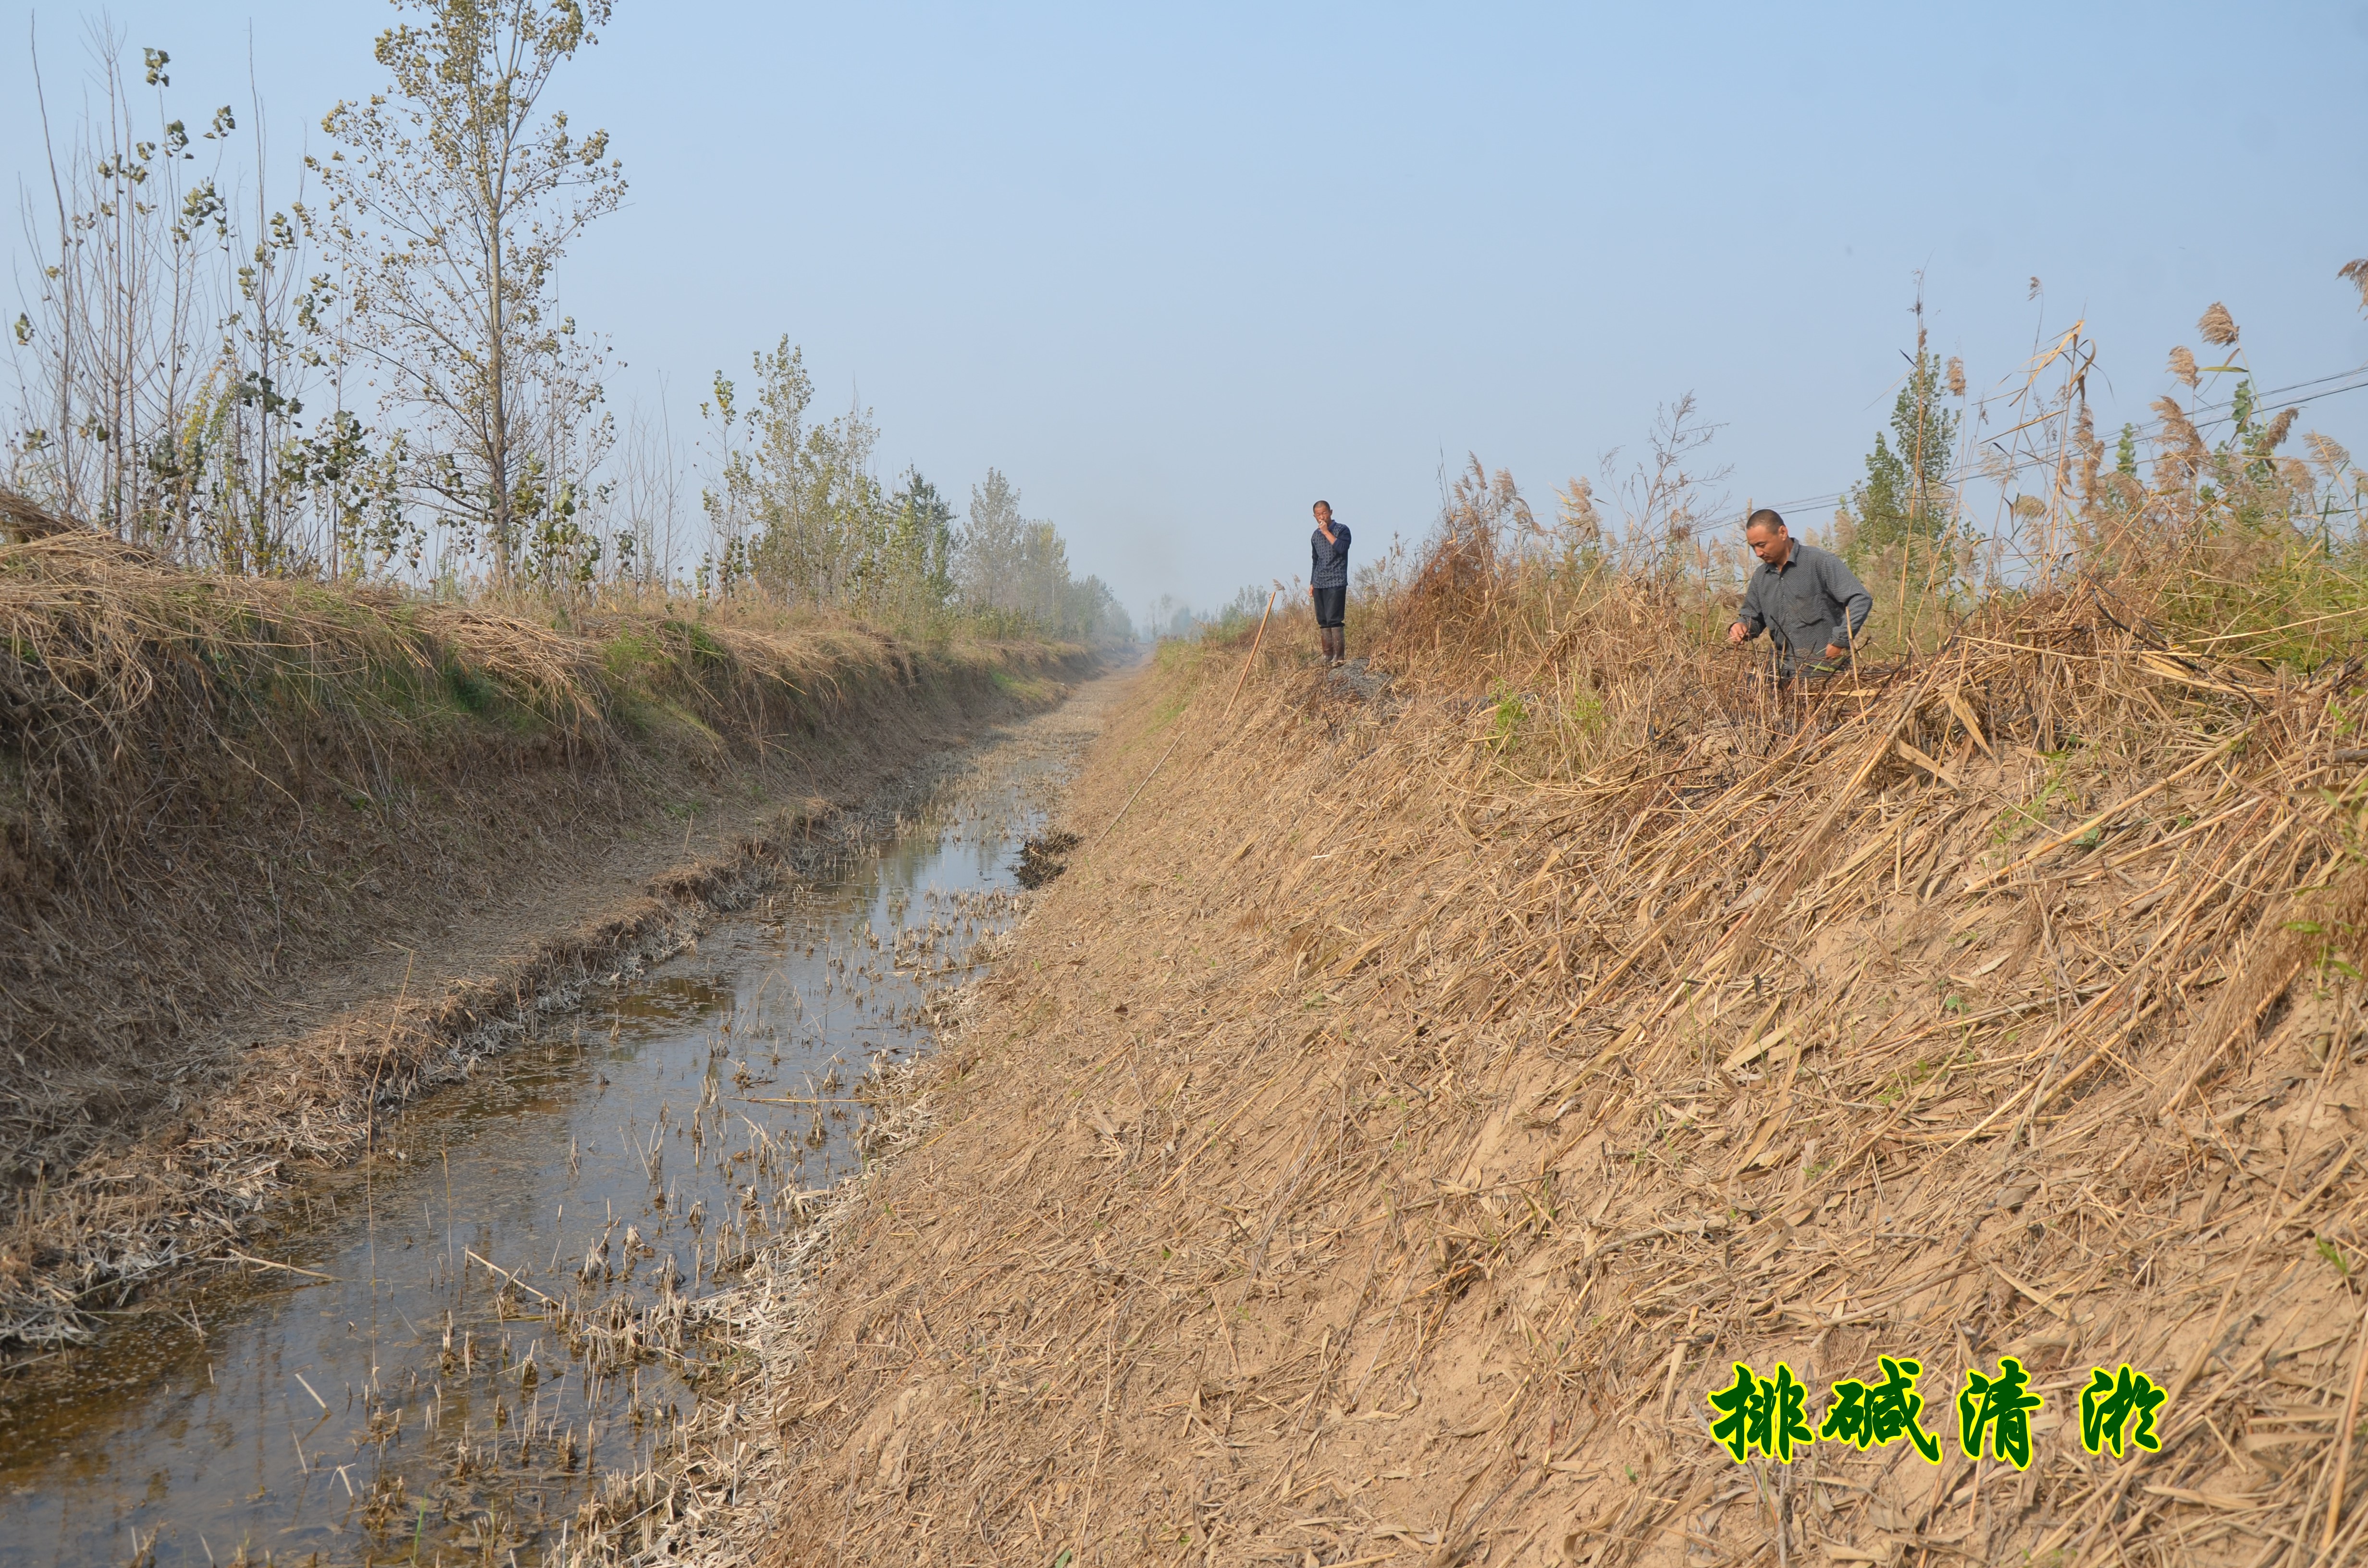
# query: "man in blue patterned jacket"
{"type": "Point", "coordinates": [1327, 583]}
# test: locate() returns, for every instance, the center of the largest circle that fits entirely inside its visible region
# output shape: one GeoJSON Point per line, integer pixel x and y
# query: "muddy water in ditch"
{"type": "Point", "coordinates": [449, 1345]}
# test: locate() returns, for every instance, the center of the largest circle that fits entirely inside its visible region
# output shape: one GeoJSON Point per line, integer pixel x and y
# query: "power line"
{"type": "Point", "coordinates": [2275, 395]}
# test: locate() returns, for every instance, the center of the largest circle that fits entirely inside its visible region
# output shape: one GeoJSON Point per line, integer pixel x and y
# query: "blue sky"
{"type": "Point", "coordinates": [1179, 270]}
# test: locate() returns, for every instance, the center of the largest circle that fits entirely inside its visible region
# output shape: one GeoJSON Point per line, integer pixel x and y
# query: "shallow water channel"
{"type": "Point", "coordinates": [451, 1344]}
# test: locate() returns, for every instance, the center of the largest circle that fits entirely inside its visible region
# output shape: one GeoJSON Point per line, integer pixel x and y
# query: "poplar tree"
{"type": "Point", "coordinates": [451, 197]}
{"type": "Point", "coordinates": [992, 543]}
{"type": "Point", "coordinates": [923, 542]}
{"type": "Point", "coordinates": [1905, 498]}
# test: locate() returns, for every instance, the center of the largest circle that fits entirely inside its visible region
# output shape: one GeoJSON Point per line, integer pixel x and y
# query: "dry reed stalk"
{"type": "Point", "coordinates": [2346, 1435]}
{"type": "Point", "coordinates": [1250, 662]}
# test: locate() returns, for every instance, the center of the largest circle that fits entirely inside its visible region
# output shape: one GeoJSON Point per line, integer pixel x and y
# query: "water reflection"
{"type": "Point", "coordinates": [444, 1347]}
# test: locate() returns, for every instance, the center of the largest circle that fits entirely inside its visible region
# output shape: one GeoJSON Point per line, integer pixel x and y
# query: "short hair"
{"type": "Point", "coordinates": [1326, 504]}
{"type": "Point", "coordinates": [1765, 518]}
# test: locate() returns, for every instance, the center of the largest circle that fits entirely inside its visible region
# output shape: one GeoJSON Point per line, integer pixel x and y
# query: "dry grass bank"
{"type": "Point", "coordinates": [1375, 1149]}
{"type": "Point", "coordinates": [272, 852]}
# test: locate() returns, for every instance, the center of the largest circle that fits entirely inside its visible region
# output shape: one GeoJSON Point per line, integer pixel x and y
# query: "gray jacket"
{"type": "Point", "coordinates": [1806, 605]}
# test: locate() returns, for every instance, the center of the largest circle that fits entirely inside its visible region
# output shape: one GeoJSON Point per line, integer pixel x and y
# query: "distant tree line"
{"type": "Point", "coordinates": [796, 512]}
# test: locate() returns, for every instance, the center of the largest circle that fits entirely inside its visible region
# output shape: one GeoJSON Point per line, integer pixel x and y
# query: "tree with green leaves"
{"type": "Point", "coordinates": [168, 348]}
{"type": "Point", "coordinates": [922, 545]}
{"type": "Point", "coordinates": [452, 195]}
{"type": "Point", "coordinates": [799, 510]}
{"type": "Point", "coordinates": [757, 443]}
{"type": "Point", "coordinates": [825, 540]}
{"type": "Point", "coordinates": [797, 513]}
{"type": "Point", "coordinates": [993, 541]}
{"type": "Point", "coordinates": [1904, 499]}
{"type": "Point", "coordinates": [1013, 571]}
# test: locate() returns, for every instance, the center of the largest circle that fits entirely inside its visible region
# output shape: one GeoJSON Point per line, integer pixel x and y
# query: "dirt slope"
{"type": "Point", "coordinates": [1368, 1154]}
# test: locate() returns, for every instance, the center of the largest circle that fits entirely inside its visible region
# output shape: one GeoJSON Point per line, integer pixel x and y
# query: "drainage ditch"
{"type": "Point", "coordinates": [438, 1356]}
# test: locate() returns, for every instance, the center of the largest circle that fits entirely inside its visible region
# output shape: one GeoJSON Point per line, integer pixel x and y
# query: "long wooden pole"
{"type": "Point", "coordinates": [1140, 787]}
{"type": "Point", "coordinates": [1251, 663]}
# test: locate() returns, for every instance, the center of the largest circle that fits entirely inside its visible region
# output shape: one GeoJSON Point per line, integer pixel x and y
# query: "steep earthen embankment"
{"type": "Point", "coordinates": [1370, 1152]}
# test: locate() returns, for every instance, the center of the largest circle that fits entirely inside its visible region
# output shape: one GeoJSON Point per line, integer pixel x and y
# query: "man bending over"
{"type": "Point", "coordinates": [1811, 605]}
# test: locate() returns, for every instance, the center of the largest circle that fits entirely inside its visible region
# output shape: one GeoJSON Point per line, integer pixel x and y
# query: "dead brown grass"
{"type": "Point", "coordinates": [1379, 1146]}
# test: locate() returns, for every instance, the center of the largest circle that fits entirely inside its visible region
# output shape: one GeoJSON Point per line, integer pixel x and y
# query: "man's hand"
{"type": "Point", "coordinates": [1735, 635]}
{"type": "Point", "coordinates": [1835, 651]}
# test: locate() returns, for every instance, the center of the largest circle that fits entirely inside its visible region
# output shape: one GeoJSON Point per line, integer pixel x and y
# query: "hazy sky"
{"type": "Point", "coordinates": [1177, 271]}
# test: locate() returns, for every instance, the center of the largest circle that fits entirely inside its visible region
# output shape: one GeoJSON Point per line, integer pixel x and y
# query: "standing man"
{"type": "Point", "coordinates": [1328, 583]}
{"type": "Point", "coordinates": [1805, 598]}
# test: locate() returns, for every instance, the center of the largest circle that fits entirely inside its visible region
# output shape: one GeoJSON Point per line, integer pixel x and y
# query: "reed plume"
{"type": "Point", "coordinates": [2279, 428]}
{"type": "Point", "coordinates": [2092, 451]}
{"type": "Point", "coordinates": [1581, 521]}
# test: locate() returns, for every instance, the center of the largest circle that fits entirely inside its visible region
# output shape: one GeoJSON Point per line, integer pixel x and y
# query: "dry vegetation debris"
{"type": "Point", "coordinates": [1377, 1150]}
